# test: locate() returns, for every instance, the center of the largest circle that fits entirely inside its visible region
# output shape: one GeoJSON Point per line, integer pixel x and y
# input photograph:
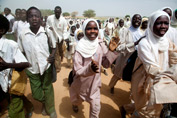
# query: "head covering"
{"type": "Point", "coordinates": [76, 33]}
{"type": "Point", "coordinates": [156, 43]}
{"type": "Point", "coordinates": [174, 19]}
{"type": "Point", "coordinates": [87, 47]}
{"type": "Point", "coordinates": [136, 33]}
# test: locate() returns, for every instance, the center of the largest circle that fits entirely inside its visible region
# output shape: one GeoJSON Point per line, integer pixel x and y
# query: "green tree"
{"type": "Point", "coordinates": [127, 16]}
{"type": "Point", "coordinates": [66, 14]}
{"type": "Point", "coordinates": [46, 12]}
{"type": "Point", "coordinates": [74, 14]}
{"type": "Point", "coordinates": [89, 13]}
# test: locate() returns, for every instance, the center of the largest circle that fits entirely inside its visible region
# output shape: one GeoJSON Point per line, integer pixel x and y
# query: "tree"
{"type": "Point", "coordinates": [46, 12]}
{"type": "Point", "coordinates": [74, 14]}
{"type": "Point", "coordinates": [65, 14]}
{"type": "Point", "coordinates": [89, 13]}
{"type": "Point", "coordinates": [127, 16]}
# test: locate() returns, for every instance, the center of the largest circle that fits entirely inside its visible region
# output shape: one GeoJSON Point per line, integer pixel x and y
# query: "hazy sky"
{"type": "Point", "coordinates": [101, 7]}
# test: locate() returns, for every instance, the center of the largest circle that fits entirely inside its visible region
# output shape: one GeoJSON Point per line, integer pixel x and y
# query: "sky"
{"type": "Point", "coordinates": [116, 8]}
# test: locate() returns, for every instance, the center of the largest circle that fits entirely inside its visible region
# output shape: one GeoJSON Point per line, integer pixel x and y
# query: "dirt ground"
{"type": "Point", "coordinates": [109, 103]}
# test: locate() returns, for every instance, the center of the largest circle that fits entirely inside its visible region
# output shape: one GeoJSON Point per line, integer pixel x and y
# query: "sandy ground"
{"type": "Point", "coordinates": [109, 103]}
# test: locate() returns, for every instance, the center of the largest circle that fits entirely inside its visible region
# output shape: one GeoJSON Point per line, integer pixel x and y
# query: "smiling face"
{"type": "Point", "coordinates": [161, 26]}
{"type": "Point", "coordinates": [136, 20]}
{"type": "Point", "coordinates": [91, 30]}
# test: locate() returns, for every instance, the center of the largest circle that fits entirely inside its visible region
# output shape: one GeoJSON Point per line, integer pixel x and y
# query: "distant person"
{"type": "Point", "coordinates": [174, 19]}
{"type": "Point", "coordinates": [144, 25]}
{"type": "Point", "coordinates": [11, 19]}
{"type": "Point", "coordinates": [172, 32]}
{"type": "Point", "coordinates": [58, 25]}
{"type": "Point", "coordinates": [17, 14]}
{"type": "Point", "coordinates": [20, 25]}
{"type": "Point", "coordinates": [33, 42]}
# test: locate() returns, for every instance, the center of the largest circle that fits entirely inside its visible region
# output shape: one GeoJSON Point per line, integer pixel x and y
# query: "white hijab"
{"type": "Point", "coordinates": [156, 43]}
{"type": "Point", "coordinates": [76, 34]}
{"type": "Point", "coordinates": [87, 47]}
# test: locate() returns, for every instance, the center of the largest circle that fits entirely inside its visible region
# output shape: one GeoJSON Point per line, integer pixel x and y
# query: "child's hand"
{"type": "Point", "coordinates": [114, 43]}
{"type": "Point", "coordinates": [51, 58]}
{"type": "Point", "coordinates": [94, 66]}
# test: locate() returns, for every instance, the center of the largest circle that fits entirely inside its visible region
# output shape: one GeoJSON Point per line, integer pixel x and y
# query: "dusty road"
{"type": "Point", "coordinates": [109, 103]}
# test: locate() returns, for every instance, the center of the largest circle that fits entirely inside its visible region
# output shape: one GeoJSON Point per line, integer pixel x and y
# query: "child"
{"type": "Point", "coordinates": [152, 83]}
{"type": "Point", "coordinates": [34, 43]}
{"type": "Point", "coordinates": [90, 54]}
{"type": "Point", "coordinates": [11, 57]}
{"type": "Point", "coordinates": [70, 46]}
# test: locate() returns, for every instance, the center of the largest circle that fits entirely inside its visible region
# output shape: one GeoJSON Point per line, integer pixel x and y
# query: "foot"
{"type": "Point", "coordinates": [44, 113]}
{"type": "Point", "coordinates": [105, 73]}
{"type": "Point", "coordinates": [123, 112]}
{"type": "Point", "coordinates": [75, 108]}
{"type": "Point", "coordinates": [53, 115]}
{"type": "Point", "coordinates": [112, 90]}
{"type": "Point", "coordinates": [29, 113]}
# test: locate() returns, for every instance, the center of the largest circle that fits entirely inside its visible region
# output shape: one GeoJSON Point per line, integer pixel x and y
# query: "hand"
{"type": "Point", "coordinates": [114, 43]}
{"type": "Point", "coordinates": [94, 66]}
{"type": "Point", "coordinates": [51, 28]}
{"type": "Point", "coordinates": [51, 58]}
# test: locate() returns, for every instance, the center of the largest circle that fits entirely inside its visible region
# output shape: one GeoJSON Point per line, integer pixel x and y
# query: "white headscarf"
{"type": "Point", "coordinates": [136, 33]}
{"type": "Point", "coordinates": [76, 34]}
{"type": "Point", "coordinates": [156, 43]}
{"type": "Point", "coordinates": [87, 47]}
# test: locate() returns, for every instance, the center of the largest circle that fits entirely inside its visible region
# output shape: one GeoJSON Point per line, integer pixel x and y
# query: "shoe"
{"type": "Point", "coordinates": [44, 113]}
{"type": "Point", "coordinates": [75, 108]}
{"type": "Point", "coordinates": [53, 115]}
{"type": "Point", "coordinates": [29, 114]}
{"type": "Point", "coordinates": [112, 90]}
{"type": "Point", "coordinates": [123, 112]}
{"type": "Point", "coordinates": [105, 73]}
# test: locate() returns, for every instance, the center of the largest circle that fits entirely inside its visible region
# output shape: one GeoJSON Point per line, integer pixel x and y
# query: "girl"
{"type": "Point", "coordinates": [90, 54]}
{"type": "Point", "coordinates": [151, 87]}
{"type": "Point", "coordinates": [70, 46]}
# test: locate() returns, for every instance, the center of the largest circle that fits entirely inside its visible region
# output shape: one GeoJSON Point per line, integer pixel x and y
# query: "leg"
{"type": "Point", "coordinates": [28, 106]}
{"type": "Point", "coordinates": [60, 46]}
{"type": "Point", "coordinates": [95, 106]}
{"type": "Point", "coordinates": [113, 82]}
{"type": "Point", "coordinates": [16, 107]}
{"type": "Point", "coordinates": [48, 92]}
{"type": "Point", "coordinates": [36, 86]}
{"type": "Point", "coordinates": [57, 59]}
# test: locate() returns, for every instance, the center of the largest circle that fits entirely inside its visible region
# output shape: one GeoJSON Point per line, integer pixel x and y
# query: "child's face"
{"type": "Point", "coordinates": [168, 11]}
{"type": "Point", "coordinates": [80, 35]}
{"type": "Point", "coordinates": [34, 18]}
{"type": "Point", "coordinates": [136, 21]}
{"type": "Point", "coordinates": [121, 23]}
{"type": "Point", "coordinates": [73, 29]}
{"type": "Point", "coordinates": [91, 30]}
{"type": "Point", "coordinates": [161, 26]}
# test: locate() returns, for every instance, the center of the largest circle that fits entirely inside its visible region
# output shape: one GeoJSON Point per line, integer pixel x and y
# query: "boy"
{"type": "Point", "coordinates": [34, 43]}
{"type": "Point", "coordinates": [11, 57]}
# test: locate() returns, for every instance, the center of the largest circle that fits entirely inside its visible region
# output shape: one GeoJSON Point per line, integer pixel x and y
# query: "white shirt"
{"type": "Point", "coordinates": [19, 26]}
{"type": "Point", "coordinates": [59, 27]}
{"type": "Point", "coordinates": [36, 49]}
{"type": "Point", "coordinates": [10, 53]}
